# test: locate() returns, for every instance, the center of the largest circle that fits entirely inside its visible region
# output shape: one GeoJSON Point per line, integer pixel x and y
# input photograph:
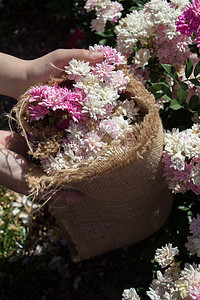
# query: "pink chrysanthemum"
{"type": "Point", "coordinates": [119, 81]}
{"type": "Point", "coordinates": [38, 92]}
{"type": "Point", "coordinates": [189, 21]}
{"type": "Point", "coordinates": [66, 104]}
{"type": "Point", "coordinates": [37, 112]}
{"type": "Point", "coordinates": [103, 70]}
{"type": "Point", "coordinates": [111, 55]}
{"type": "Point", "coordinates": [194, 291]}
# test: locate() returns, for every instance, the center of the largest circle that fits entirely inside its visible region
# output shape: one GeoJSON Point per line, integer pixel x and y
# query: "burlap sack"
{"type": "Point", "coordinates": [125, 195]}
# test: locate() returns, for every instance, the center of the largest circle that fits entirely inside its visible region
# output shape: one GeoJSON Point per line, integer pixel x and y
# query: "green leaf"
{"type": "Point", "coordinates": [171, 71]}
{"type": "Point", "coordinates": [167, 98]}
{"type": "Point", "coordinates": [154, 76]}
{"type": "Point", "coordinates": [197, 69]}
{"type": "Point", "coordinates": [193, 102]}
{"type": "Point", "coordinates": [181, 95]}
{"type": "Point", "coordinates": [188, 68]}
{"type": "Point", "coordinates": [195, 81]}
{"type": "Point", "coordinates": [175, 105]}
{"type": "Point", "coordinates": [160, 89]}
{"type": "Point", "coordinates": [103, 42]}
{"type": "Point", "coordinates": [184, 86]}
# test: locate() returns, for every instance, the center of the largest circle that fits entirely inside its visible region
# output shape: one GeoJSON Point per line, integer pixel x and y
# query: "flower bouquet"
{"type": "Point", "coordinates": [97, 129]}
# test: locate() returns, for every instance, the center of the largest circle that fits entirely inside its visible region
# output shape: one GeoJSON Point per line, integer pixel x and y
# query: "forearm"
{"type": "Point", "coordinates": [13, 75]}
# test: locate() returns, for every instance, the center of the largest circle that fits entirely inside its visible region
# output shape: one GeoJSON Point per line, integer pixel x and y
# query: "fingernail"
{"type": "Point", "coordinates": [97, 54]}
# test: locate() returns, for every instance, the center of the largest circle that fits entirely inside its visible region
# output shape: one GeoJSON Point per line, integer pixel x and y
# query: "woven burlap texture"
{"type": "Point", "coordinates": [125, 195]}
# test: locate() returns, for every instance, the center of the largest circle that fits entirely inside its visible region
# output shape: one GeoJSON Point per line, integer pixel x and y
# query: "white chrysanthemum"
{"type": "Point", "coordinates": [153, 294]}
{"type": "Point", "coordinates": [163, 14]}
{"type": "Point", "coordinates": [186, 142]}
{"type": "Point", "coordinates": [92, 143]}
{"type": "Point", "coordinates": [177, 186]}
{"type": "Point", "coordinates": [172, 142]}
{"type": "Point", "coordinates": [98, 24]}
{"type": "Point", "coordinates": [182, 286]}
{"type": "Point", "coordinates": [178, 161]}
{"type": "Point", "coordinates": [109, 94]}
{"type": "Point", "coordinates": [96, 4]}
{"type": "Point", "coordinates": [195, 174]}
{"type": "Point", "coordinates": [77, 68]}
{"type": "Point", "coordinates": [129, 110]}
{"type": "Point", "coordinates": [141, 57]}
{"type": "Point", "coordinates": [97, 100]}
{"type": "Point", "coordinates": [192, 146]}
{"type": "Point", "coordinates": [111, 128]}
{"type": "Point", "coordinates": [163, 286]}
{"type": "Point", "coordinates": [75, 131]}
{"type": "Point", "coordinates": [89, 83]}
{"type": "Point", "coordinates": [165, 255]}
{"type": "Point", "coordinates": [94, 106]}
{"type": "Point", "coordinates": [102, 4]}
{"type": "Point", "coordinates": [123, 124]}
{"type": "Point", "coordinates": [191, 273]}
{"type": "Point", "coordinates": [135, 26]}
{"type": "Point", "coordinates": [180, 3]}
{"type": "Point", "coordinates": [130, 294]}
{"type": "Point", "coordinates": [196, 128]}
{"type": "Point", "coordinates": [111, 12]}
{"type": "Point", "coordinates": [96, 48]}
{"type": "Point", "coordinates": [52, 165]}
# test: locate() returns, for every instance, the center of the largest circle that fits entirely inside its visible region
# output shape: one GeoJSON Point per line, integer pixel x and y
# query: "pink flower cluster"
{"type": "Point", "coordinates": [60, 104]}
{"type": "Point", "coordinates": [181, 159]}
{"type": "Point", "coordinates": [174, 50]}
{"type": "Point", "coordinates": [189, 21]}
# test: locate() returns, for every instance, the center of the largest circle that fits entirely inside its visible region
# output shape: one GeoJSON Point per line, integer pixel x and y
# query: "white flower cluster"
{"type": "Point", "coordinates": [106, 10]}
{"type": "Point", "coordinates": [182, 159]}
{"type": "Point", "coordinates": [143, 24]}
{"type": "Point", "coordinates": [174, 283]}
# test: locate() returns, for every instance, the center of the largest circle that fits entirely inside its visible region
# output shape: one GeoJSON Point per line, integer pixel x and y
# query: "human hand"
{"type": "Point", "coordinates": [17, 75]}
{"type": "Point", "coordinates": [40, 70]}
{"type": "Point", "coordinates": [14, 162]}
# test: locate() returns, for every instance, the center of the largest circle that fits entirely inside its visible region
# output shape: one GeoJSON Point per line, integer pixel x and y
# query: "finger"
{"type": "Point", "coordinates": [63, 56]}
{"type": "Point", "coordinates": [14, 142]}
{"type": "Point", "coordinates": [13, 167]}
